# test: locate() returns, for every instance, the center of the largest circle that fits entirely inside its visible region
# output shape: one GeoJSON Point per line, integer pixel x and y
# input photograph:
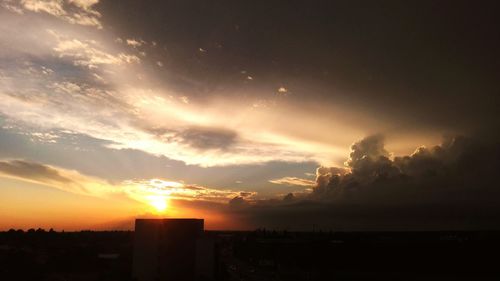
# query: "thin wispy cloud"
{"type": "Point", "coordinates": [293, 181]}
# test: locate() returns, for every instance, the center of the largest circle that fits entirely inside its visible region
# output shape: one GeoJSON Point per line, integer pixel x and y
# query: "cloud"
{"type": "Point", "coordinates": [78, 80]}
{"type": "Point", "coordinates": [59, 178]}
{"type": "Point", "coordinates": [88, 53]}
{"type": "Point", "coordinates": [53, 7]}
{"type": "Point", "coordinates": [448, 186]}
{"type": "Point", "coordinates": [83, 80]}
{"type": "Point", "coordinates": [140, 190]}
{"type": "Point", "coordinates": [84, 4]}
{"type": "Point", "coordinates": [371, 148]}
{"type": "Point", "coordinates": [289, 197]}
{"type": "Point", "coordinates": [79, 12]}
{"type": "Point", "coordinates": [32, 171]}
{"type": "Point", "coordinates": [238, 202]}
{"type": "Point", "coordinates": [445, 172]}
{"type": "Point", "coordinates": [135, 43]}
{"type": "Point", "coordinates": [293, 181]}
{"type": "Point", "coordinates": [207, 138]}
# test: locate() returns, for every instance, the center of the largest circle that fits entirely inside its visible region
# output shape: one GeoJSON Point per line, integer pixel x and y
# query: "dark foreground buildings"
{"type": "Point", "coordinates": [262, 255]}
{"type": "Point", "coordinates": [172, 249]}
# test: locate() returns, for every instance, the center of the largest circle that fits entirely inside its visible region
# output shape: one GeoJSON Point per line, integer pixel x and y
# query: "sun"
{"type": "Point", "coordinates": [159, 203]}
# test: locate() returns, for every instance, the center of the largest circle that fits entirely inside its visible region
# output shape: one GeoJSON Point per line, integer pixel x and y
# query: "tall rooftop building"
{"type": "Point", "coordinates": [172, 249]}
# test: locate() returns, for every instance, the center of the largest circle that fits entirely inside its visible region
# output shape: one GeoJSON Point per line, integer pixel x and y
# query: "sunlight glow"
{"type": "Point", "coordinates": [159, 203]}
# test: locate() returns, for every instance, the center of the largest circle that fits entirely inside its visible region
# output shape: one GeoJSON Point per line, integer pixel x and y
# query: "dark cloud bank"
{"type": "Point", "coordinates": [451, 186]}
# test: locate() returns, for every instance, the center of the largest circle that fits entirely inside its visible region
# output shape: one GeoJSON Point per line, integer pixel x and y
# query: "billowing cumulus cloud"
{"type": "Point", "coordinates": [446, 173]}
{"type": "Point", "coordinates": [452, 185]}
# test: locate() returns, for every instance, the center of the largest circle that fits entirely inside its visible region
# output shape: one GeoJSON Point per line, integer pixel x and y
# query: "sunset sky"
{"type": "Point", "coordinates": [346, 114]}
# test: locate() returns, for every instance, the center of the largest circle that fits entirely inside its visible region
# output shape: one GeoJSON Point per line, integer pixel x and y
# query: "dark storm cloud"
{"type": "Point", "coordinates": [32, 171]}
{"type": "Point", "coordinates": [207, 138]}
{"type": "Point", "coordinates": [449, 172]}
{"type": "Point", "coordinates": [452, 185]}
{"type": "Point", "coordinates": [419, 63]}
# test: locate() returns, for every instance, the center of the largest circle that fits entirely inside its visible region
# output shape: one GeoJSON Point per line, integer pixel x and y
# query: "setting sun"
{"type": "Point", "coordinates": [159, 203]}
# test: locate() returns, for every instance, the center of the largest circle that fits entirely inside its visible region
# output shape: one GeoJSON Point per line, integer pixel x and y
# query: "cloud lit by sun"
{"type": "Point", "coordinates": [161, 193]}
{"type": "Point", "coordinates": [160, 196]}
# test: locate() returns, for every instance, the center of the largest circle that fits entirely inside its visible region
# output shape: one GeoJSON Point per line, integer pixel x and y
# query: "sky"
{"type": "Point", "coordinates": [277, 114]}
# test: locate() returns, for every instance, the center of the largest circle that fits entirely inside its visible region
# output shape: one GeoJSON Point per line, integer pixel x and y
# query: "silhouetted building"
{"type": "Point", "coordinates": [172, 249]}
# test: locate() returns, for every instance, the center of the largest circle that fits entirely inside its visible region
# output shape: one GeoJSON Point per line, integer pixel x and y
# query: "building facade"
{"type": "Point", "coordinates": [172, 249]}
